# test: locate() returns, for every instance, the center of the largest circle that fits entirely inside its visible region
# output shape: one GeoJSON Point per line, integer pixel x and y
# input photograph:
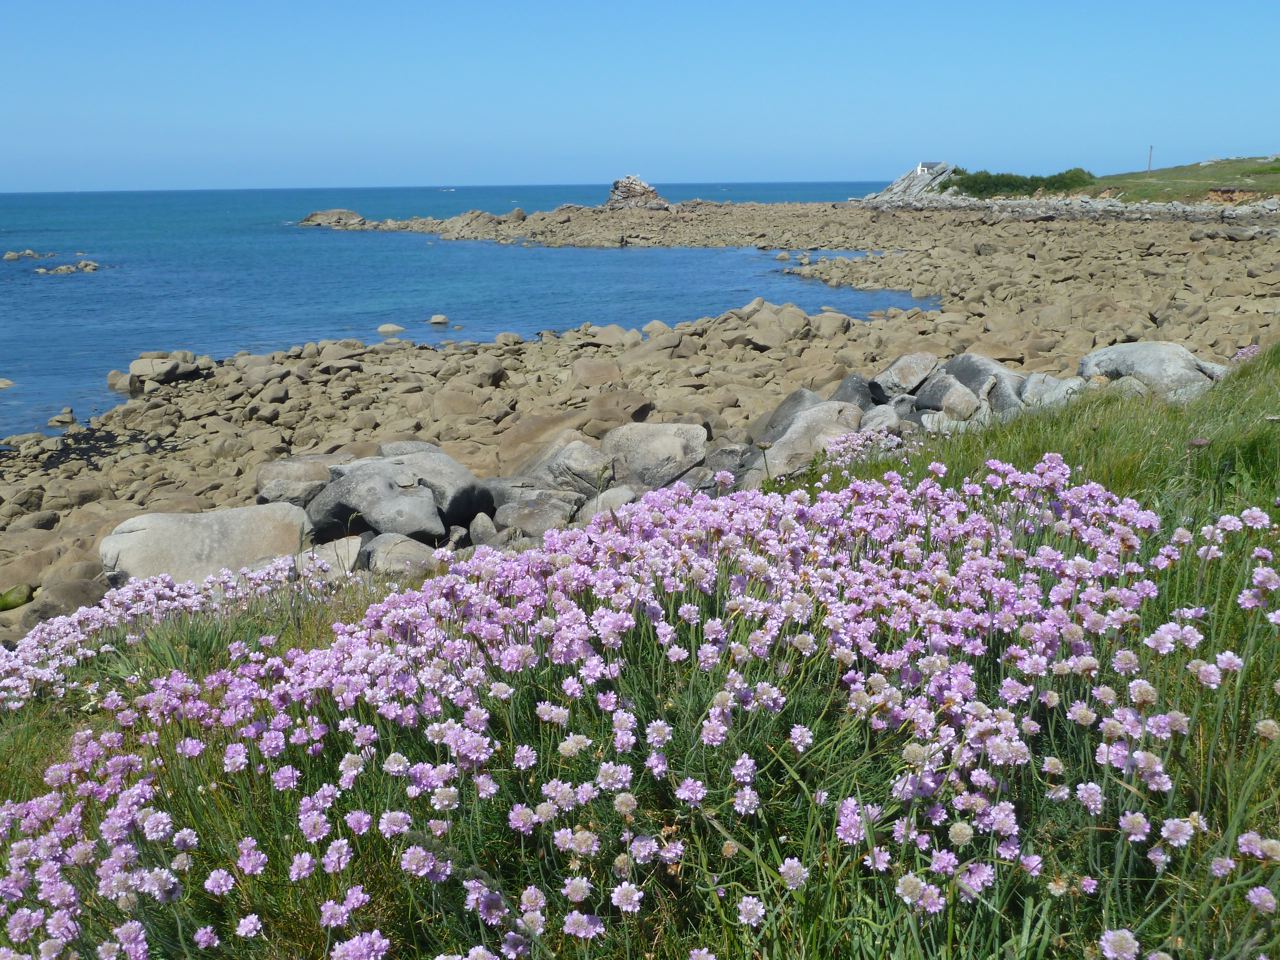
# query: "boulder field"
{"type": "Point", "coordinates": [374, 456]}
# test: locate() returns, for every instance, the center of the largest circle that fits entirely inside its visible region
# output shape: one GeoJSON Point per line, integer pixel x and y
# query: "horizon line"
{"type": "Point", "coordinates": [430, 186]}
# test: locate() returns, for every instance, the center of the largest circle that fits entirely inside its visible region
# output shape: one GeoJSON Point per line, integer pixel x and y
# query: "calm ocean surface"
{"type": "Point", "coordinates": [217, 272]}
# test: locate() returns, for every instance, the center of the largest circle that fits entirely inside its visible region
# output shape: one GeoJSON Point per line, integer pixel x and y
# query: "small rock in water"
{"type": "Point", "coordinates": [5, 384]}
{"type": "Point", "coordinates": [332, 218]}
{"type": "Point", "coordinates": [83, 266]}
{"type": "Point", "coordinates": [439, 319]}
{"type": "Point", "coordinates": [390, 329]}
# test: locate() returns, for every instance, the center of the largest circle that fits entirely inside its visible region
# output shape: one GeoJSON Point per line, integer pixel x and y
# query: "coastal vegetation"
{"type": "Point", "coordinates": [1231, 180]}
{"type": "Point", "coordinates": [984, 184]}
{"type": "Point", "coordinates": [1004, 693]}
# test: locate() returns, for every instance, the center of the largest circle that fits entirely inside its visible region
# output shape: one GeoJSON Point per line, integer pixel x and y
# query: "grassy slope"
{"type": "Point", "coordinates": [1143, 448]}
{"type": "Point", "coordinates": [1192, 182]}
{"type": "Point", "coordinates": [37, 735]}
{"type": "Point", "coordinates": [1135, 447]}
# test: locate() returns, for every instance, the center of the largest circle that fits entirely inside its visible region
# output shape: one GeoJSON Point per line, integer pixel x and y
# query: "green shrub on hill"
{"type": "Point", "coordinates": [984, 184]}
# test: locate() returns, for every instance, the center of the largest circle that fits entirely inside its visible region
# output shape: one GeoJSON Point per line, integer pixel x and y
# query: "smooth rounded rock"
{"type": "Point", "coordinates": [1168, 369]}
{"type": "Point", "coordinates": [392, 553]}
{"type": "Point", "coordinates": [651, 455]}
{"type": "Point", "coordinates": [534, 516]}
{"type": "Point", "coordinates": [574, 466]}
{"type": "Point", "coordinates": [291, 481]}
{"type": "Point", "coordinates": [784, 414]}
{"type": "Point", "coordinates": [193, 546]}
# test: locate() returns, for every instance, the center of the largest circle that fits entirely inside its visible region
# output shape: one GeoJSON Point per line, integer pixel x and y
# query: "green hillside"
{"type": "Point", "coordinates": [1196, 181]}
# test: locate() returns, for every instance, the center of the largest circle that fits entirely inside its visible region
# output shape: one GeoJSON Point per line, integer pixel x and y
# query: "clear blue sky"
{"type": "Point", "coordinates": [224, 93]}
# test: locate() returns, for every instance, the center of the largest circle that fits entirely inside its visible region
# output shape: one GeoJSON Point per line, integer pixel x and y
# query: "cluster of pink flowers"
{"type": "Point", "coordinates": [1245, 354]}
{"type": "Point", "coordinates": [41, 661]}
{"type": "Point", "coordinates": [962, 635]}
{"type": "Point", "coordinates": [846, 452]}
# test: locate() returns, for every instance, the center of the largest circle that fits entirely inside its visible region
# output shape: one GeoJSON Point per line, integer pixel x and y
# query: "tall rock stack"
{"type": "Point", "coordinates": [632, 193]}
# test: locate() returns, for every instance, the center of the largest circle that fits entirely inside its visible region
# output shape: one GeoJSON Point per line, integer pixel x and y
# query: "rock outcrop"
{"type": "Point", "coordinates": [337, 219]}
{"type": "Point", "coordinates": [159, 367]}
{"type": "Point", "coordinates": [921, 180]}
{"type": "Point", "coordinates": [633, 193]}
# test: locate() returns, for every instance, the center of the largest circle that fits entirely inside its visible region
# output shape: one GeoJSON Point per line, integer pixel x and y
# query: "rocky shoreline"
{"type": "Point", "coordinates": [872, 223]}
{"type": "Point", "coordinates": [423, 443]}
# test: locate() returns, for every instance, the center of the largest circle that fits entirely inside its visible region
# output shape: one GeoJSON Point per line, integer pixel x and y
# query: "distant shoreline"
{"type": "Point", "coordinates": [773, 225]}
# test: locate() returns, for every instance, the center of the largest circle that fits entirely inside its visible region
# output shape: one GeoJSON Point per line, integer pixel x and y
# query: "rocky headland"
{"type": "Point", "coordinates": [383, 452]}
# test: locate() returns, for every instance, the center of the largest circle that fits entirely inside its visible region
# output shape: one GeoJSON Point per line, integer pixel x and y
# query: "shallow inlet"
{"type": "Point", "coordinates": [217, 273]}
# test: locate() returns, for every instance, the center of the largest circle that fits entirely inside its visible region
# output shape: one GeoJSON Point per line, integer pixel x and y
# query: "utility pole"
{"type": "Point", "coordinates": [1150, 150]}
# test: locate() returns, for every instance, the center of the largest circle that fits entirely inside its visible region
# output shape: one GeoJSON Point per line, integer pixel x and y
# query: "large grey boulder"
{"type": "Point", "coordinates": [342, 556]}
{"type": "Point", "coordinates": [854, 389]}
{"type": "Point", "coordinates": [651, 455]}
{"type": "Point", "coordinates": [370, 499]}
{"type": "Point", "coordinates": [1043, 390]}
{"type": "Point", "coordinates": [458, 494]}
{"type": "Point", "coordinates": [902, 376]}
{"type": "Point", "coordinates": [729, 457]}
{"type": "Point", "coordinates": [193, 546]}
{"type": "Point", "coordinates": [573, 466]}
{"type": "Point", "coordinates": [784, 414]}
{"type": "Point", "coordinates": [392, 553]}
{"type": "Point", "coordinates": [884, 417]}
{"type": "Point", "coordinates": [504, 490]}
{"type": "Point", "coordinates": [807, 436]}
{"type": "Point", "coordinates": [535, 515]}
{"type": "Point", "coordinates": [291, 481]}
{"type": "Point", "coordinates": [1168, 369]}
{"type": "Point", "coordinates": [944, 393]}
{"type": "Point", "coordinates": [988, 379]}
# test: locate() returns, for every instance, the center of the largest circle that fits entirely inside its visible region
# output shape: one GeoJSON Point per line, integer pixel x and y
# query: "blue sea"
{"type": "Point", "coordinates": [222, 271]}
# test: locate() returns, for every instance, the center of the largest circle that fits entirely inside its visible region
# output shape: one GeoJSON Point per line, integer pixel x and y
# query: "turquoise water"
{"type": "Point", "coordinates": [217, 272]}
